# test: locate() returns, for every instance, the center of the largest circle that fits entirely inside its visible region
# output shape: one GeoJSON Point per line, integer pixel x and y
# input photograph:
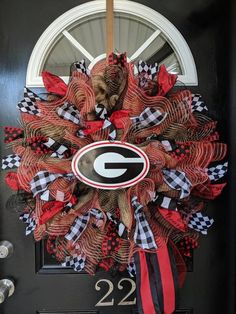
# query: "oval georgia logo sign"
{"type": "Point", "coordinates": [110, 165]}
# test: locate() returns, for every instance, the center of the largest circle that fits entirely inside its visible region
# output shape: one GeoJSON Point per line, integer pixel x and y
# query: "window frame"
{"type": "Point", "coordinates": [63, 22]}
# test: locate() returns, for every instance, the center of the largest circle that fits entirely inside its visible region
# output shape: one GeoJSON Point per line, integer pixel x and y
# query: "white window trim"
{"type": "Point", "coordinates": [42, 47]}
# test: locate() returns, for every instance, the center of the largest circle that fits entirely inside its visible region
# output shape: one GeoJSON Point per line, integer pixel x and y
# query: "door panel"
{"type": "Point", "coordinates": [70, 312]}
{"type": "Point", "coordinates": [46, 264]}
{"type": "Point", "coordinates": [186, 311]}
{"type": "Point", "coordinates": [45, 287]}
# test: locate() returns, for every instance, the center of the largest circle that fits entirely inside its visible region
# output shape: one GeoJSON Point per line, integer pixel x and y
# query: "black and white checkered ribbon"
{"type": "Point", "coordinates": [80, 224]}
{"type": "Point", "coordinates": [200, 222]}
{"type": "Point", "coordinates": [165, 202]}
{"type": "Point", "coordinates": [98, 214]}
{"type": "Point", "coordinates": [11, 161]}
{"type": "Point", "coordinates": [149, 117]}
{"type": "Point", "coordinates": [28, 104]}
{"type": "Point", "coordinates": [143, 235]}
{"type": "Point", "coordinates": [131, 269]}
{"type": "Point", "coordinates": [217, 172]}
{"type": "Point", "coordinates": [146, 72]}
{"type": "Point", "coordinates": [80, 133]}
{"type": "Point", "coordinates": [77, 262]}
{"type": "Point", "coordinates": [81, 67]}
{"type": "Point", "coordinates": [46, 196]}
{"type": "Point", "coordinates": [78, 227]}
{"type": "Point", "coordinates": [69, 112]}
{"type": "Point", "coordinates": [177, 180]}
{"type": "Point", "coordinates": [42, 179]}
{"type": "Point", "coordinates": [169, 145]}
{"type": "Point", "coordinates": [68, 207]}
{"type": "Point", "coordinates": [121, 229]}
{"type": "Point", "coordinates": [58, 149]}
{"type": "Point", "coordinates": [197, 103]}
{"type": "Point", "coordinates": [30, 221]}
{"type": "Point", "coordinates": [101, 113]}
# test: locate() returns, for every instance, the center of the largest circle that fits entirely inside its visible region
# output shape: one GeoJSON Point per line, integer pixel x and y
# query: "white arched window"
{"type": "Point", "coordinates": [80, 34]}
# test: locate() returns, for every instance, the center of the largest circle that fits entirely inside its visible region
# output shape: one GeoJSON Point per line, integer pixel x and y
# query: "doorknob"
{"type": "Point", "coordinates": [7, 289]}
{"type": "Point", "coordinates": [6, 249]}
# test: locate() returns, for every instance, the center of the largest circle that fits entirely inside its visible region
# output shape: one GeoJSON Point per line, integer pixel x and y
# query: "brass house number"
{"type": "Point", "coordinates": [108, 300]}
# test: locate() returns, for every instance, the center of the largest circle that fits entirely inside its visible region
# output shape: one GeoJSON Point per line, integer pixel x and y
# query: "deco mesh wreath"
{"type": "Point", "coordinates": [149, 228]}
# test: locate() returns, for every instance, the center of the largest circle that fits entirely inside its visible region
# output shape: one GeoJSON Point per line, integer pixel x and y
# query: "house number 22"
{"type": "Point", "coordinates": [104, 302]}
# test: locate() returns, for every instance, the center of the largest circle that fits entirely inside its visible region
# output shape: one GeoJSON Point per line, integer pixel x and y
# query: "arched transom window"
{"type": "Point", "coordinates": [80, 34]}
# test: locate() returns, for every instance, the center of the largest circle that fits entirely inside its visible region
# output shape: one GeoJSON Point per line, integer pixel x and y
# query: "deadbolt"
{"type": "Point", "coordinates": [7, 289]}
{"type": "Point", "coordinates": [6, 249]}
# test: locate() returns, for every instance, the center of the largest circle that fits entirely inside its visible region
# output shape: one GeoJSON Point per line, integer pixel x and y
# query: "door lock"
{"type": "Point", "coordinates": [6, 249]}
{"type": "Point", "coordinates": [7, 289]}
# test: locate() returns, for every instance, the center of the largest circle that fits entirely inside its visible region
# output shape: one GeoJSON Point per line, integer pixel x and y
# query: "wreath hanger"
{"type": "Point", "coordinates": [109, 27]}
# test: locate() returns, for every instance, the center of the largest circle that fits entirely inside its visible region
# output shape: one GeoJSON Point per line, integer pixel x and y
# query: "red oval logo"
{"type": "Point", "coordinates": [110, 165]}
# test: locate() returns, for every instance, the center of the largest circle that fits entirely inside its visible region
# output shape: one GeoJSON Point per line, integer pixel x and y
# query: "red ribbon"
{"type": "Point", "coordinates": [12, 181]}
{"type": "Point", "coordinates": [50, 209]}
{"type": "Point", "coordinates": [165, 81]}
{"type": "Point", "coordinates": [208, 190]}
{"type": "Point", "coordinates": [115, 118]}
{"type": "Point", "coordinates": [54, 84]}
{"type": "Point", "coordinates": [174, 218]}
{"type": "Point", "coordinates": [145, 290]}
{"type": "Point", "coordinates": [166, 279]}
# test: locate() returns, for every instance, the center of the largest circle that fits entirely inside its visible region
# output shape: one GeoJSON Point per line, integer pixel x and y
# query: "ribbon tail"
{"type": "Point", "coordinates": [157, 281]}
{"type": "Point", "coordinates": [167, 279]}
{"type": "Point", "coordinates": [145, 300]}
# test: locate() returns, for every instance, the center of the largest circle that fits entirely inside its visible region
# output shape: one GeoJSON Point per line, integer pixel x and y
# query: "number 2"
{"type": "Point", "coordinates": [133, 287]}
{"type": "Point", "coordinates": [111, 288]}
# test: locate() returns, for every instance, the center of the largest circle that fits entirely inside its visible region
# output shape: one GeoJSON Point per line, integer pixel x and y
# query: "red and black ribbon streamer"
{"type": "Point", "coordinates": [156, 280]}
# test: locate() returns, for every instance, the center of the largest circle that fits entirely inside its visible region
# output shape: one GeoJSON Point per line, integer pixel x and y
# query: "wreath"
{"type": "Point", "coordinates": [149, 228]}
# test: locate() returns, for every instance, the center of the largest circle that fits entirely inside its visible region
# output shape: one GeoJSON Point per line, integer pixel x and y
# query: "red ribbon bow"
{"type": "Point", "coordinates": [50, 209]}
{"type": "Point", "coordinates": [54, 84]}
{"type": "Point", "coordinates": [165, 81]}
{"type": "Point", "coordinates": [174, 218]}
{"type": "Point", "coordinates": [117, 59]}
{"type": "Point", "coordinates": [208, 191]}
{"type": "Point", "coordinates": [115, 118]}
{"type": "Point", "coordinates": [12, 181]}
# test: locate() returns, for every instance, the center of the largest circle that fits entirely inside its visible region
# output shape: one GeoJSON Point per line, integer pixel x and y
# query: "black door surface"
{"type": "Point", "coordinates": [41, 285]}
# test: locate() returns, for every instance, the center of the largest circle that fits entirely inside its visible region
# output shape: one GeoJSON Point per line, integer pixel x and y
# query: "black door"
{"type": "Point", "coordinates": [41, 285]}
